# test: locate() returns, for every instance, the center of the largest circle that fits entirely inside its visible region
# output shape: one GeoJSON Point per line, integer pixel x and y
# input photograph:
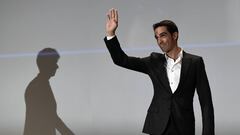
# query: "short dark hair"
{"type": "Point", "coordinates": [170, 25]}
{"type": "Point", "coordinates": [45, 56]}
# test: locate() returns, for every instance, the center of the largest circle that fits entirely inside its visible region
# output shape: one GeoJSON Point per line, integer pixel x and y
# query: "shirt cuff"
{"type": "Point", "coordinates": [110, 37]}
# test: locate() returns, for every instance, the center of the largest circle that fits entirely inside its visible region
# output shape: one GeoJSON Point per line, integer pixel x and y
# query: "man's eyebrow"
{"type": "Point", "coordinates": [163, 33]}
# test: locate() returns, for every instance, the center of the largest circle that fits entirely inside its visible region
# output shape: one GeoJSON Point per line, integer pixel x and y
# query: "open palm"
{"type": "Point", "coordinates": [112, 22]}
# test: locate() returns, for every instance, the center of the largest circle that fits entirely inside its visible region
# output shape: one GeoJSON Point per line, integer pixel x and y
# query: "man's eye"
{"type": "Point", "coordinates": [163, 35]}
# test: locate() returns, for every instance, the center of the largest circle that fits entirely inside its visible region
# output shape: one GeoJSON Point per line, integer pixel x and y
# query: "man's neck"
{"type": "Point", "coordinates": [174, 53]}
{"type": "Point", "coordinates": [44, 76]}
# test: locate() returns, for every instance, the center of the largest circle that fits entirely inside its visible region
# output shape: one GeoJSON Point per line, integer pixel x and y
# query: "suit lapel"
{"type": "Point", "coordinates": [164, 78]}
{"type": "Point", "coordinates": [186, 61]}
{"type": "Point", "coordinates": [161, 69]}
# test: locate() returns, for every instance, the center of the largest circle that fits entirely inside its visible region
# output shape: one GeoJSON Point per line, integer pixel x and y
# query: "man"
{"type": "Point", "coordinates": [175, 76]}
{"type": "Point", "coordinates": [41, 107]}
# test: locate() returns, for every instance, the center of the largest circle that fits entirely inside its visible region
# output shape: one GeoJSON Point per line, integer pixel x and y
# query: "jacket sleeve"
{"type": "Point", "coordinates": [205, 99]}
{"type": "Point", "coordinates": [121, 59]}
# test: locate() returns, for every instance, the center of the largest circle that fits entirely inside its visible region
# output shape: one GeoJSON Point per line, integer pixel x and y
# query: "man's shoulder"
{"type": "Point", "coordinates": [153, 57]}
{"type": "Point", "coordinates": [191, 56]}
{"type": "Point", "coordinates": [156, 55]}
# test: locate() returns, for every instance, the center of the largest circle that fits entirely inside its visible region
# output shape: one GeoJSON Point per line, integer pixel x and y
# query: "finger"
{"type": "Point", "coordinates": [108, 16]}
{"type": "Point", "coordinates": [112, 13]}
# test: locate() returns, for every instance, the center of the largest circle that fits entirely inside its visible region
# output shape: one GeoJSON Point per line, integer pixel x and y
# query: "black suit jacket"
{"type": "Point", "coordinates": [165, 103]}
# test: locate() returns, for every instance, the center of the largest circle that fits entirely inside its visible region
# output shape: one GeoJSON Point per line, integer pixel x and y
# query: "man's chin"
{"type": "Point", "coordinates": [163, 50]}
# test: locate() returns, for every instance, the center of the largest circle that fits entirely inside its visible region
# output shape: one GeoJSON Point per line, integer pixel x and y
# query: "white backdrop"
{"type": "Point", "coordinates": [94, 96]}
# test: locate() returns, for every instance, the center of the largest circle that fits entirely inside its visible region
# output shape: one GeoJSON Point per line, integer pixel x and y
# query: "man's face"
{"type": "Point", "coordinates": [53, 66]}
{"type": "Point", "coordinates": [165, 40]}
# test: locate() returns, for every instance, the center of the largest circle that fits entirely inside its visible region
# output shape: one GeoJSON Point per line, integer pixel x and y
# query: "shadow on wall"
{"type": "Point", "coordinates": [41, 106]}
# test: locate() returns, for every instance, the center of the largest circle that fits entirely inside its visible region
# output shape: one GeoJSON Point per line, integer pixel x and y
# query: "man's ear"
{"type": "Point", "coordinates": [175, 35]}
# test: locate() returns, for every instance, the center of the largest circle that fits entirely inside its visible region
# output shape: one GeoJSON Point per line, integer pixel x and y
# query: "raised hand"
{"type": "Point", "coordinates": [112, 22]}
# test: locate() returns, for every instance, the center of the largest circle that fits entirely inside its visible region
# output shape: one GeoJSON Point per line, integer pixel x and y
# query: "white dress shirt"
{"type": "Point", "coordinates": [110, 37]}
{"type": "Point", "coordinates": [174, 70]}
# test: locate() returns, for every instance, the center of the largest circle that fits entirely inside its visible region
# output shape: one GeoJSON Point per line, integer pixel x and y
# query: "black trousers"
{"type": "Point", "coordinates": [171, 128]}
